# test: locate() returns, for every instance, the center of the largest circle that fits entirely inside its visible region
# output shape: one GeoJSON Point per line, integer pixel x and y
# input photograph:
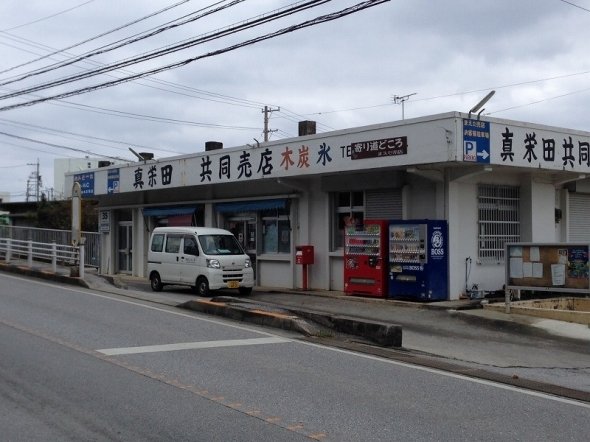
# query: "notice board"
{"type": "Point", "coordinates": [550, 267]}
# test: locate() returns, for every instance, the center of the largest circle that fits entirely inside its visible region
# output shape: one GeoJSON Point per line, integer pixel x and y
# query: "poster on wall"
{"type": "Point", "coordinates": [577, 263]}
{"type": "Point", "coordinates": [562, 267]}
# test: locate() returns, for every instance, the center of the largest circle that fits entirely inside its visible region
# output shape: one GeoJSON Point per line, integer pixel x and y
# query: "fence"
{"type": "Point", "coordinates": [54, 253]}
{"type": "Point", "coordinates": [60, 237]}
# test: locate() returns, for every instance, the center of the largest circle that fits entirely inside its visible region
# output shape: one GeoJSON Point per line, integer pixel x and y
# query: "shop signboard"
{"type": "Point", "coordinates": [86, 181]}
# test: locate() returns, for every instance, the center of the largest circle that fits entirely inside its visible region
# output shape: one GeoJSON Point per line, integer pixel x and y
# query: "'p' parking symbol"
{"type": "Point", "coordinates": [470, 151]}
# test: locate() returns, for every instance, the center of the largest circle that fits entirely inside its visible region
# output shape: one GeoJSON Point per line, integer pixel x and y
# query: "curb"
{"type": "Point", "coordinates": [257, 316]}
{"type": "Point", "coordinates": [43, 274]}
{"type": "Point", "coordinates": [381, 333]}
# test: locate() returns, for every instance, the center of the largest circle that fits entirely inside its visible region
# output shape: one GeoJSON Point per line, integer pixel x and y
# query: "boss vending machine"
{"type": "Point", "coordinates": [365, 259]}
{"type": "Point", "coordinates": [418, 260]}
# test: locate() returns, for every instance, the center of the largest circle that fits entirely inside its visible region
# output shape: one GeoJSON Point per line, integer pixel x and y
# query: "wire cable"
{"type": "Point", "coordinates": [153, 14]}
{"type": "Point", "coordinates": [46, 18]}
{"type": "Point", "coordinates": [59, 146]}
{"type": "Point", "coordinates": [321, 19]}
{"type": "Point", "coordinates": [118, 44]}
{"type": "Point", "coordinates": [170, 49]}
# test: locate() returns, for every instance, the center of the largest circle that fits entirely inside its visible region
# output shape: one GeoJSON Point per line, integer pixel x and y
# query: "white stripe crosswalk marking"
{"type": "Point", "coordinates": [191, 346]}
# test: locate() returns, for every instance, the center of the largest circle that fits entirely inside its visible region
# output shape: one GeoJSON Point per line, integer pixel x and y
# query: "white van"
{"type": "Point", "coordinates": [201, 257]}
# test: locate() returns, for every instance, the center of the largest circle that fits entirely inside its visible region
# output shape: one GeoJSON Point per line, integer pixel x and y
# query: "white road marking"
{"type": "Point", "coordinates": [191, 346]}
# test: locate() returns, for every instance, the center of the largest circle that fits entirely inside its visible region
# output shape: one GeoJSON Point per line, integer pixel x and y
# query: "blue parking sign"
{"type": "Point", "coordinates": [476, 141]}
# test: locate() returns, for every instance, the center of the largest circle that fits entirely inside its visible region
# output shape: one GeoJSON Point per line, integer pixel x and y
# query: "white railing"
{"type": "Point", "coordinates": [54, 253]}
{"type": "Point", "coordinates": [91, 246]}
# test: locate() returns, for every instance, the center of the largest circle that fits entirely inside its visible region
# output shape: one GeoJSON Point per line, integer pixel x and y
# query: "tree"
{"type": "Point", "coordinates": [58, 215]}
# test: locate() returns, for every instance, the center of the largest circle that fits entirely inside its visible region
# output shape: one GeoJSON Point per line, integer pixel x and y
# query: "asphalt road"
{"type": "Point", "coordinates": [82, 365]}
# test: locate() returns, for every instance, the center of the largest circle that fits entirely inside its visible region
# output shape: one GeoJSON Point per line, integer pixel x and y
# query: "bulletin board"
{"type": "Point", "coordinates": [549, 267]}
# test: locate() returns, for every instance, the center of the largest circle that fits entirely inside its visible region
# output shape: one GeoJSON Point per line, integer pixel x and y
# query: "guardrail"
{"type": "Point", "coordinates": [91, 246]}
{"type": "Point", "coordinates": [48, 252]}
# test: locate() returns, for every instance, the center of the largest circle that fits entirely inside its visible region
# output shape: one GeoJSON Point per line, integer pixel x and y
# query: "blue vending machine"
{"type": "Point", "coordinates": [418, 260]}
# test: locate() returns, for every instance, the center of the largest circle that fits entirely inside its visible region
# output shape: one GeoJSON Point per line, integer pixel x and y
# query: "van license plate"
{"type": "Point", "coordinates": [233, 284]}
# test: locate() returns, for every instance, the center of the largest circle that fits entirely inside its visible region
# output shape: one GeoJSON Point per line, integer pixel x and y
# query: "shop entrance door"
{"type": "Point", "coordinates": [124, 246]}
{"type": "Point", "coordinates": [244, 229]}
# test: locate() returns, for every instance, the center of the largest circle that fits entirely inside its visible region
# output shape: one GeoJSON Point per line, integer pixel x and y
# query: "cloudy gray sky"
{"type": "Point", "coordinates": [342, 74]}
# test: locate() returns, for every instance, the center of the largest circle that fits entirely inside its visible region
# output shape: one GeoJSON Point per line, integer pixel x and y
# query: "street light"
{"type": "Point", "coordinates": [480, 105]}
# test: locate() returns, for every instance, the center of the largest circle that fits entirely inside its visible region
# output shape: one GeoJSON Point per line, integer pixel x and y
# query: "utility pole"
{"type": "Point", "coordinates": [397, 99]}
{"type": "Point", "coordinates": [267, 111]}
{"type": "Point", "coordinates": [34, 182]}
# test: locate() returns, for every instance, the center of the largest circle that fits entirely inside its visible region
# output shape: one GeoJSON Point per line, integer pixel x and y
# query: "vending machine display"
{"type": "Point", "coordinates": [365, 259]}
{"type": "Point", "coordinates": [418, 260]}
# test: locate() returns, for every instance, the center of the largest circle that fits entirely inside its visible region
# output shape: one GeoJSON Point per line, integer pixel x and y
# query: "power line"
{"type": "Point", "coordinates": [456, 94]}
{"type": "Point", "coordinates": [539, 101]}
{"type": "Point", "coordinates": [59, 146]}
{"type": "Point", "coordinates": [170, 49]}
{"type": "Point", "coordinates": [13, 166]}
{"type": "Point", "coordinates": [209, 96]}
{"type": "Point", "coordinates": [77, 136]}
{"type": "Point", "coordinates": [47, 17]}
{"type": "Point", "coordinates": [575, 6]}
{"type": "Point", "coordinates": [116, 45]}
{"type": "Point", "coordinates": [95, 37]}
{"type": "Point", "coordinates": [321, 19]}
{"type": "Point", "coordinates": [144, 117]}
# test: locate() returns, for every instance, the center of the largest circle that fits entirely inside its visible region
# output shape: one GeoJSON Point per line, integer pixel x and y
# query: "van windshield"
{"type": "Point", "coordinates": [220, 245]}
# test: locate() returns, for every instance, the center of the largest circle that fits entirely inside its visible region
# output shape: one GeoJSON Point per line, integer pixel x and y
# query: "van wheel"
{"type": "Point", "coordinates": [245, 291]}
{"type": "Point", "coordinates": [202, 286]}
{"type": "Point", "coordinates": [156, 282]}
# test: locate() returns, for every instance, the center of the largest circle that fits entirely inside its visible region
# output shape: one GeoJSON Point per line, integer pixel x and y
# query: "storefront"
{"type": "Point", "coordinates": [493, 181]}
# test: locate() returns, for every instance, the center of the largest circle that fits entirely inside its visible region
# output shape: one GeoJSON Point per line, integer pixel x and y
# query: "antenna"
{"type": "Point", "coordinates": [397, 99]}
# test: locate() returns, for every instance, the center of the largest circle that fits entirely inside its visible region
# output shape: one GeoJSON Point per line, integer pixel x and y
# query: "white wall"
{"type": "Point", "coordinates": [537, 216]}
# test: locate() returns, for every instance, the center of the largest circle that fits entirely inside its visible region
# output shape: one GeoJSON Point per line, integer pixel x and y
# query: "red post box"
{"type": "Point", "coordinates": [304, 256]}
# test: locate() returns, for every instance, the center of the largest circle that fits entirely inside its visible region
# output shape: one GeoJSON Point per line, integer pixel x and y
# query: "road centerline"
{"type": "Point", "coordinates": [192, 346]}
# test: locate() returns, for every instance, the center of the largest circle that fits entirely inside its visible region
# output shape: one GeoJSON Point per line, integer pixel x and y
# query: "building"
{"type": "Point", "coordinates": [61, 166]}
{"type": "Point", "coordinates": [492, 180]}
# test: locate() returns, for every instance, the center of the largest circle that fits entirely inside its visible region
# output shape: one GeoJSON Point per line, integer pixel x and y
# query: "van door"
{"type": "Point", "coordinates": [189, 255]}
{"type": "Point", "coordinates": [171, 259]}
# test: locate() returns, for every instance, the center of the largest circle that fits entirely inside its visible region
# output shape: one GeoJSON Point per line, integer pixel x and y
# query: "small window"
{"type": "Point", "coordinates": [220, 245]}
{"type": "Point", "coordinates": [157, 243]}
{"type": "Point", "coordinates": [173, 243]}
{"type": "Point", "coordinates": [276, 232]}
{"type": "Point", "coordinates": [498, 220]}
{"type": "Point", "coordinates": [190, 245]}
{"type": "Point", "coordinates": [349, 212]}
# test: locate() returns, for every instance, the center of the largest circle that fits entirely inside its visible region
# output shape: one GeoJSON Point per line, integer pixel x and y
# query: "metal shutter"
{"type": "Point", "coordinates": [383, 204]}
{"type": "Point", "coordinates": [579, 217]}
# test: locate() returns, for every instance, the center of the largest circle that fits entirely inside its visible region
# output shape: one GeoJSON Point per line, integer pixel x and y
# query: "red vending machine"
{"type": "Point", "coordinates": [365, 259]}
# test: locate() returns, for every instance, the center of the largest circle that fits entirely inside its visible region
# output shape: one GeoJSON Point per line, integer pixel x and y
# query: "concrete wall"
{"type": "Point", "coordinates": [537, 223]}
{"type": "Point", "coordinates": [537, 210]}
{"type": "Point", "coordinates": [463, 232]}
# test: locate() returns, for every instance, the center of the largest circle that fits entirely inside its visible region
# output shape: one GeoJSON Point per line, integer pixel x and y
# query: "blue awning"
{"type": "Point", "coordinates": [250, 206]}
{"type": "Point", "coordinates": [168, 211]}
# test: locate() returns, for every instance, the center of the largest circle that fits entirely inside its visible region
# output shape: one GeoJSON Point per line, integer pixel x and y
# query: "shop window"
{"type": "Point", "coordinates": [276, 232]}
{"type": "Point", "coordinates": [158, 243]}
{"type": "Point", "coordinates": [349, 211]}
{"type": "Point", "coordinates": [498, 220]}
